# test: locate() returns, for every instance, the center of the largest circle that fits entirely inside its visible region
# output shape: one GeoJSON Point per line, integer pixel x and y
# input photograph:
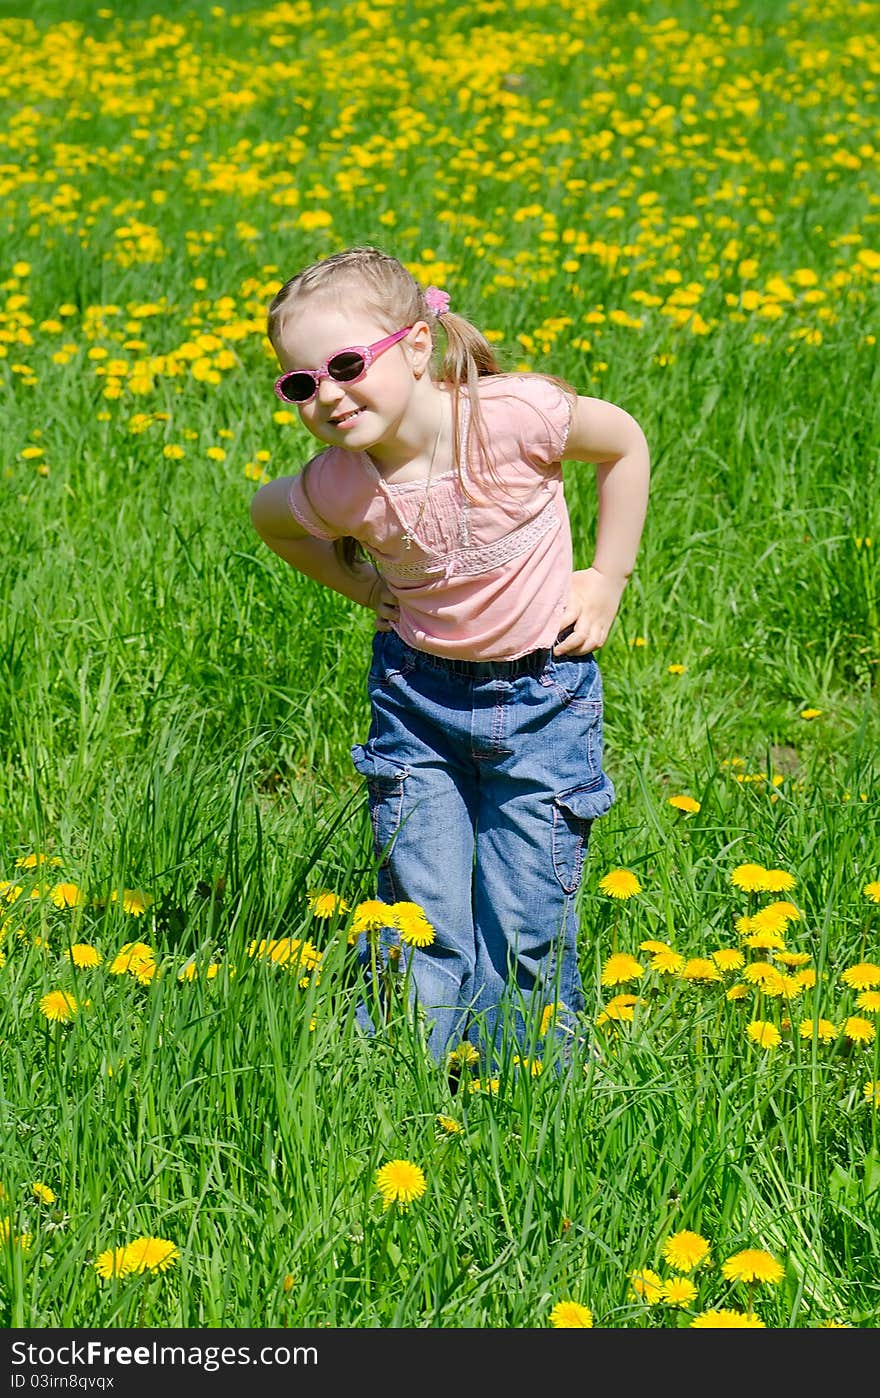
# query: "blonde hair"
{"type": "Point", "coordinates": [383, 286]}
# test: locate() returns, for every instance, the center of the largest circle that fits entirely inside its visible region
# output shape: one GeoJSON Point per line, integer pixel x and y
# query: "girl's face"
{"type": "Point", "coordinates": [373, 412]}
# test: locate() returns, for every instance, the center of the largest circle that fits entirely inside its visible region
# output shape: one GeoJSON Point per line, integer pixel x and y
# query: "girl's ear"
{"type": "Point", "coordinates": [421, 347]}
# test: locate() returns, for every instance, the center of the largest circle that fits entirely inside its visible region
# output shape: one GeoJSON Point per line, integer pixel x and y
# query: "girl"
{"type": "Point", "coordinates": [438, 503]}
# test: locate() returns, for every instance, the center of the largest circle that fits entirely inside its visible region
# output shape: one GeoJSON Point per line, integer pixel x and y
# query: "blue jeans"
{"type": "Point", "coordinates": [484, 778]}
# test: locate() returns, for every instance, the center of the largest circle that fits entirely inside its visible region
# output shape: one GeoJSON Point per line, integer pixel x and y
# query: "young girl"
{"type": "Point", "coordinates": [438, 503]}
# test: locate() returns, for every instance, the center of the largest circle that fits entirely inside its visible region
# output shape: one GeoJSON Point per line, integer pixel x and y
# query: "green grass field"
{"type": "Point", "coordinates": [674, 207]}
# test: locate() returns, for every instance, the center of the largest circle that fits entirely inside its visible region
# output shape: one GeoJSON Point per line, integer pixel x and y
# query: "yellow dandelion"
{"type": "Point", "coordinates": [130, 957]}
{"type": "Point", "coordinates": [675, 669]}
{"type": "Point", "coordinates": [726, 1320]}
{"type": "Point", "coordinates": [43, 1192]}
{"type": "Point", "coordinates": [646, 1285]}
{"type": "Point", "coordinates": [872, 1093]}
{"type": "Point", "coordinates": [862, 976]}
{"type": "Point", "coordinates": [67, 895]}
{"type": "Point", "coordinates": [749, 877]}
{"type": "Point", "coordinates": [858, 1030]}
{"type": "Point", "coordinates": [534, 1066]}
{"type": "Point", "coordinates": [7, 1236]}
{"type": "Point", "coordinates": [621, 1007]}
{"type": "Point", "coordinates": [570, 1315]}
{"type": "Point", "coordinates": [324, 903]}
{"type": "Point", "coordinates": [779, 881]}
{"type": "Point", "coordinates": [679, 1291]}
{"type": "Point", "coordinates": [764, 1034]}
{"type": "Point", "coordinates": [449, 1126]}
{"type": "Point", "coordinates": [620, 883]}
{"type": "Point", "coordinates": [684, 803]}
{"type": "Point", "coordinates": [872, 891]}
{"type": "Point", "coordinates": [620, 968]}
{"type": "Point", "coordinates": [150, 1255]}
{"type": "Point", "coordinates": [728, 959]}
{"type": "Point", "coordinates": [806, 977]}
{"type": "Point", "coordinates": [464, 1055]}
{"type": "Point", "coordinates": [134, 901]}
{"type": "Point", "coordinates": [869, 1001]}
{"type": "Point", "coordinates": [371, 915]}
{"type": "Point", "coordinates": [112, 1263]}
{"type": "Point", "coordinates": [810, 713]}
{"type": "Point", "coordinates": [667, 962]}
{"type": "Point", "coordinates": [491, 1086]}
{"type": "Point", "coordinates": [743, 925]}
{"type": "Point", "coordinates": [10, 891]}
{"type": "Point", "coordinates": [400, 1182]}
{"type": "Point", "coordinates": [737, 992]}
{"type": "Point", "coordinates": [415, 929]}
{"type": "Point", "coordinates": [59, 1006]}
{"type": "Point", "coordinates": [83, 955]}
{"type": "Point", "coordinates": [825, 1030]}
{"type": "Point", "coordinates": [753, 1265]}
{"type": "Point", "coordinates": [685, 1250]}
{"type": "Point", "coordinates": [655, 947]}
{"type": "Point", "coordinates": [34, 861]}
{"type": "Point", "coordinates": [793, 958]}
{"type": "Point", "coordinates": [547, 1017]}
{"type": "Point", "coordinates": [700, 968]}
{"type": "Point", "coordinates": [774, 918]}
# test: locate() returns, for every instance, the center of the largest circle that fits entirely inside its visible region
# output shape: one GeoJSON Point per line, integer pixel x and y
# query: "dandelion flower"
{"type": "Point", "coordinates": [749, 877]}
{"type": "Point", "coordinates": [685, 1250]}
{"type": "Point", "coordinates": [726, 1320]}
{"type": "Point", "coordinates": [869, 1001]}
{"type": "Point", "coordinates": [765, 941]}
{"type": "Point", "coordinates": [779, 881]}
{"type": "Point", "coordinates": [415, 929]}
{"type": "Point", "coordinates": [83, 955]}
{"type": "Point", "coordinates": [130, 957]}
{"type": "Point", "coordinates": [728, 959]}
{"type": "Point", "coordinates": [59, 1005]}
{"type": "Point", "coordinates": [620, 968]}
{"type": "Point", "coordinates": [7, 1236]}
{"type": "Point", "coordinates": [685, 803]}
{"type": "Point", "coordinates": [825, 1030]}
{"type": "Point", "coordinates": [646, 1285]}
{"type": "Point", "coordinates": [620, 883]}
{"type": "Point", "coordinates": [33, 861]}
{"type": "Point", "coordinates": [570, 1315]}
{"type": "Point", "coordinates": [667, 962]}
{"type": "Point", "coordinates": [764, 1034]}
{"type": "Point", "coordinates": [753, 1265]}
{"type": "Point", "coordinates": [862, 976]}
{"type": "Point", "coordinates": [679, 1292]}
{"type": "Point", "coordinates": [872, 891]}
{"type": "Point", "coordinates": [548, 1016]}
{"type": "Point", "coordinates": [859, 1031]}
{"type": "Point", "coordinates": [737, 992]}
{"type": "Point", "coordinates": [675, 669]}
{"type": "Point", "coordinates": [449, 1126]}
{"type": "Point", "coordinates": [150, 1255]}
{"type": "Point", "coordinates": [621, 1007]}
{"type": "Point", "coordinates": [872, 1093]}
{"type": "Point", "coordinates": [324, 903]}
{"type": "Point", "coordinates": [134, 901]}
{"type": "Point", "coordinates": [700, 968]}
{"type": "Point", "coordinates": [400, 1182]}
{"type": "Point", "coordinates": [112, 1263]}
{"type": "Point", "coordinates": [810, 713]}
{"type": "Point", "coordinates": [656, 947]}
{"type": "Point", "coordinates": [371, 915]}
{"type": "Point", "coordinates": [464, 1055]}
{"type": "Point", "coordinates": [775, 917]}
{"type": "Point", "coordinates": [793, 958]}
{"type": "Point", "coordinates": [67, 895]}
{"type": "Point", "coordinates": [43, 1192]}
{"type": "Point", "coordinates": [487, 1085]}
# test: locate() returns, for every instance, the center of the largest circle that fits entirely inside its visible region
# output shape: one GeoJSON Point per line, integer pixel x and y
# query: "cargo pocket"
{"type": "Point", "coordinates": [573, 813]}
{"type": "Point", "coordinates": [385, 781]}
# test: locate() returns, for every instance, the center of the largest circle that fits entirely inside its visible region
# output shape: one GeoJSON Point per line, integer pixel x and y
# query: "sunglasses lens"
{"type": "Point", "coordinates": [297, 388]}
{"type": "Point", "coordinates": [346, 366]}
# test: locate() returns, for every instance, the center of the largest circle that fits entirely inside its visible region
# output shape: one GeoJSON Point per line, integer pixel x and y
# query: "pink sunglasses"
{"type": "Point", "coordinates": [346, 366]}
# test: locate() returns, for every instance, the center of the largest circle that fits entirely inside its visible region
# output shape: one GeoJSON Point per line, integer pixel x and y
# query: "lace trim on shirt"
{"type": "Point", "coordinates": [467, 562]}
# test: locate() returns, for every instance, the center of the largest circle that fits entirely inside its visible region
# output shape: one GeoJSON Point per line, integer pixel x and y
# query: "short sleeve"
{"type": "Point", "coordinates": [545, 419]}
{"type": "Point", "coordinates": [311, 497]}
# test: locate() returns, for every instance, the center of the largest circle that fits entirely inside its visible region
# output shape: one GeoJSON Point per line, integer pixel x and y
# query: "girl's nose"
{"type": "Point", "coordinates": [329, 391]}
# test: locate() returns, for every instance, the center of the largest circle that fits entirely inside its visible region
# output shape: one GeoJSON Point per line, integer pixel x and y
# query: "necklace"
{"type": "Point", "coordinates": [409, 532]}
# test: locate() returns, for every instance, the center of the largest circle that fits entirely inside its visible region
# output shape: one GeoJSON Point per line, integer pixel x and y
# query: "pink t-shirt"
{"type": "Point", "coordinates": [485, 578]}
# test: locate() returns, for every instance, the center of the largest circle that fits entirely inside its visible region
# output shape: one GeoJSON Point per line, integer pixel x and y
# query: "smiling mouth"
{"type": "Point", "coordinates": [345, 417]}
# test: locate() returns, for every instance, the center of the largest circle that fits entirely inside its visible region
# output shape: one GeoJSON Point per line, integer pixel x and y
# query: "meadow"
{"type": "Point", "coordinates": [674, 207]}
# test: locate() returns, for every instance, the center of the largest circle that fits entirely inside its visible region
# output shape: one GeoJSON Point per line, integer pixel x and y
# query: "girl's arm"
{"type": "Point", "coordinates": [608, 436]}
{"type": "Point", "coordinates": [278, 527]}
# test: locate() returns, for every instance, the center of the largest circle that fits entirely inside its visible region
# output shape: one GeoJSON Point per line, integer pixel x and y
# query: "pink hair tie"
{"type": "Point", "coordinates": [436, 300]}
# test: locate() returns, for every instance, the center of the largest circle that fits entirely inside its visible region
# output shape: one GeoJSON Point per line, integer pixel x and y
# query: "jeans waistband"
{"type": "Point", "coordinates": [533, 663]}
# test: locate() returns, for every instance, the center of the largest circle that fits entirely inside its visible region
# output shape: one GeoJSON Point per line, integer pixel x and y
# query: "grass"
{"type": "Point", "coordinates": [177, 709]}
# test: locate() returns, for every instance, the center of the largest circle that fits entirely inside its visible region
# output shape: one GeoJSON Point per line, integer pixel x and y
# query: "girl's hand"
{"type": "Point", "coordinates": [384, 604]}
{"type": "Point", "coordinates": [592, 605]}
